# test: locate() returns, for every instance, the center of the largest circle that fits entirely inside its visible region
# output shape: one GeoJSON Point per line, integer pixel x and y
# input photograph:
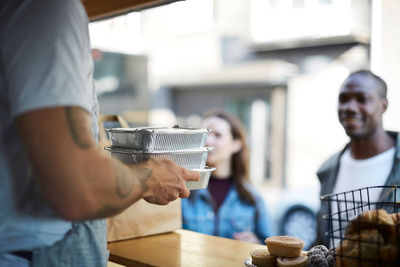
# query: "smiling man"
{"type": "Point", "coordinates": [372, 157]}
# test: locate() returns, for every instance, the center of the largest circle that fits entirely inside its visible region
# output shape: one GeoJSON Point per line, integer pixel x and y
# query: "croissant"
{"type": "Point", "coordinates": [370, 238]}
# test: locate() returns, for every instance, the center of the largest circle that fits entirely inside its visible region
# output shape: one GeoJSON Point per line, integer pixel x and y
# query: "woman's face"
{"type": "Point", "coordinates": [221, 140]}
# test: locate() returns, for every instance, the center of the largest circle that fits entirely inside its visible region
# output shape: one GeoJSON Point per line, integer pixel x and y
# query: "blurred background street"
{"type": "Point", "coordinates": [277, 65]}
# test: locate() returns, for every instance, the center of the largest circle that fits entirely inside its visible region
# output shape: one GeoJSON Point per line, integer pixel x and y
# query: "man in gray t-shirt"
{"type": "Point", "coordinates": [53, 178]}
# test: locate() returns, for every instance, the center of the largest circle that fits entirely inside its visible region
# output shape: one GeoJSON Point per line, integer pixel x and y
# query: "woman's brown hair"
{"type": "Point", "coordinates": [240, 160]}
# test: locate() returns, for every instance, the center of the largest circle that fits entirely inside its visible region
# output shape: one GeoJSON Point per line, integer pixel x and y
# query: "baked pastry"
{"type": "Point", "coordinates": [347, 261]}
{"type": "Point", "coordinates": [370, 240]}
{"type": "Point", "coordinates": [330, 258]}
{"type": "Point", "coordinates": [299, 261]}
{"type": "Point", "coordinates": [395, 230]}
{"type": "Point", "coordinates": [262, 258]}
{"type": "Point", "coordinates": [373, 219]}
{"type": "Point", "coordinates": [366, 246]}
{"type": "Point", "coordinates": [284, 246]}
{"type": "Point", "coordinates": [395, 217]}
{"type": "Point", "coordinates": [319, 256]}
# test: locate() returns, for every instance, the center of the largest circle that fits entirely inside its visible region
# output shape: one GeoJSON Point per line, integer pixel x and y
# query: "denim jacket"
{"type": "Point", "coordinates": [233, 216]}
{"type": "Point", "coordinates": [327, 175]}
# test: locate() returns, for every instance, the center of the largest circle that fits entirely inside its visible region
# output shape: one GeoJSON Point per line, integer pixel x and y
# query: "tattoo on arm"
{"type": "Point", "coordinates": [76, 126]}
{"type": "Point", "coordinates": [144, 174]}
{"type": "Point", "coordinates": [125, 182]}
{"type": "Point", "coordinates": [124, 188]}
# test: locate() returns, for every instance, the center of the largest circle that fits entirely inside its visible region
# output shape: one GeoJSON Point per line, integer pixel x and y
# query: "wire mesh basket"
{"type": "Point", "coordinates": [364, 226]}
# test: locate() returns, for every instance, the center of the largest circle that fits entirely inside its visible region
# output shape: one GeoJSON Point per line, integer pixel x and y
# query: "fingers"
{"type": "Point", "coordinates": [161, 200]}
{"type": "Point", "coordinates": [187, 175]}
{"type": "Point", "coordinates": [184, 193]}
{"type": "Point", "coordinates": [167, 181]}
{"type": "Point", "coordinates": [156, 201]}
{"type": "Point", "coordinates": [191, 176]}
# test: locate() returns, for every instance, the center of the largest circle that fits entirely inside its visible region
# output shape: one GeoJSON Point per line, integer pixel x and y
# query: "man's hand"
{"type": "Point", "coordinates": [166, 181]}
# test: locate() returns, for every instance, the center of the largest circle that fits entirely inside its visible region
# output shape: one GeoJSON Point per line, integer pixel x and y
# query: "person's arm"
{"type": "Point", "coordinates": [79, 181]}
{"type": "Point", "coordinates": [262, 225]}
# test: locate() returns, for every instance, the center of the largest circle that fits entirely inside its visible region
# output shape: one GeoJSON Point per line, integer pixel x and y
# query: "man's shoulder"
{"type": "Point", "coordinates": [396, 137]}
{"type": "Point", "coordinates": [329, 164]}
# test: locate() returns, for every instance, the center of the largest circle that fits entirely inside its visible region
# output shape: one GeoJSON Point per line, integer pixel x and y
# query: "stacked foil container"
{"type": "Point", "coordinates": [184, 146]}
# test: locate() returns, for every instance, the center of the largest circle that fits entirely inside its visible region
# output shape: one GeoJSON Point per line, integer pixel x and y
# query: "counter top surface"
{"type": "Point", "coordinates": [180, 248]}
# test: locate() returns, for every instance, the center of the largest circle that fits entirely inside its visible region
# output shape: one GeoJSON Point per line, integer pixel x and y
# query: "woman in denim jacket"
{"type": "Point", "coordinates": [230, 207]}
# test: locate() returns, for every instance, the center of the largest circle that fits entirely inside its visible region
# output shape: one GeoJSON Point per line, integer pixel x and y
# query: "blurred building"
{"type": "Point", "coordinates": [278, 65]}
{"type": "Point", "coordinates": [385, 57]}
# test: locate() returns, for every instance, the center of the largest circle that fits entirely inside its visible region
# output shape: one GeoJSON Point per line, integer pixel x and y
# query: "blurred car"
{"type": "Point", "coordinates": [293, 212]}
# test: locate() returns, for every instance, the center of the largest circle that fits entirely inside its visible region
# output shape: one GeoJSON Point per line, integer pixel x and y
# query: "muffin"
{"type": "Point", "coordinates": [299, 261]}
{"type": "Point", "coordinates": [262, 258]}
{"type": "Point", "coordinates": [284, 246]}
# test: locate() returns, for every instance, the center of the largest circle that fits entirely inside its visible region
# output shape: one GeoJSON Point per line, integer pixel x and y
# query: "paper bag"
{"type": "Point", "coordinates": [141, 218]}
{"type": "Point", "coordinates": [120, 121]}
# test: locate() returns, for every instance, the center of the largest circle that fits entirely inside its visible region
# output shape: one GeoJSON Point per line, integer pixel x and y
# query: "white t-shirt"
{"type": "Point", "coordinates": [358, 173]}
{"type": "Point", "coordinates": [45, 61]}
{"type": "Point", "coordinates": [355, 174]}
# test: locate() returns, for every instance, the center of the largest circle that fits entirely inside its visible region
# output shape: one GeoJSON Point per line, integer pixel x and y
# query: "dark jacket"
{"type": "Point", "coordinates": [327, 175]}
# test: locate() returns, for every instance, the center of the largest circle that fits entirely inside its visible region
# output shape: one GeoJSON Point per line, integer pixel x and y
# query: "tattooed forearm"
{"type": "Point", "coordinates": [143, 174]}
{"type": "Point", "coordinates": [76, 126]}
{"type": "Point", "coordinates": [124, 179]}
{"type": "Point", "coordinates": [124, 182]}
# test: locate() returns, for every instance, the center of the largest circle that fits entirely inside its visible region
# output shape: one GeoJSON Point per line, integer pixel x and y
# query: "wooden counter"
{"type": "Point", "coordinates": [180, 248]}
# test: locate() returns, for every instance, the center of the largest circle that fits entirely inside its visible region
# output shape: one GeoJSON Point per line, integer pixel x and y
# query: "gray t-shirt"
{"type": "Point", "coordinates": [45, 61]}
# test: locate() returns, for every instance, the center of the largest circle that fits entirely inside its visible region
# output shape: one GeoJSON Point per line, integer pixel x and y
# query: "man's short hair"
{"type": "Point", "coordinates": [381, 83]}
